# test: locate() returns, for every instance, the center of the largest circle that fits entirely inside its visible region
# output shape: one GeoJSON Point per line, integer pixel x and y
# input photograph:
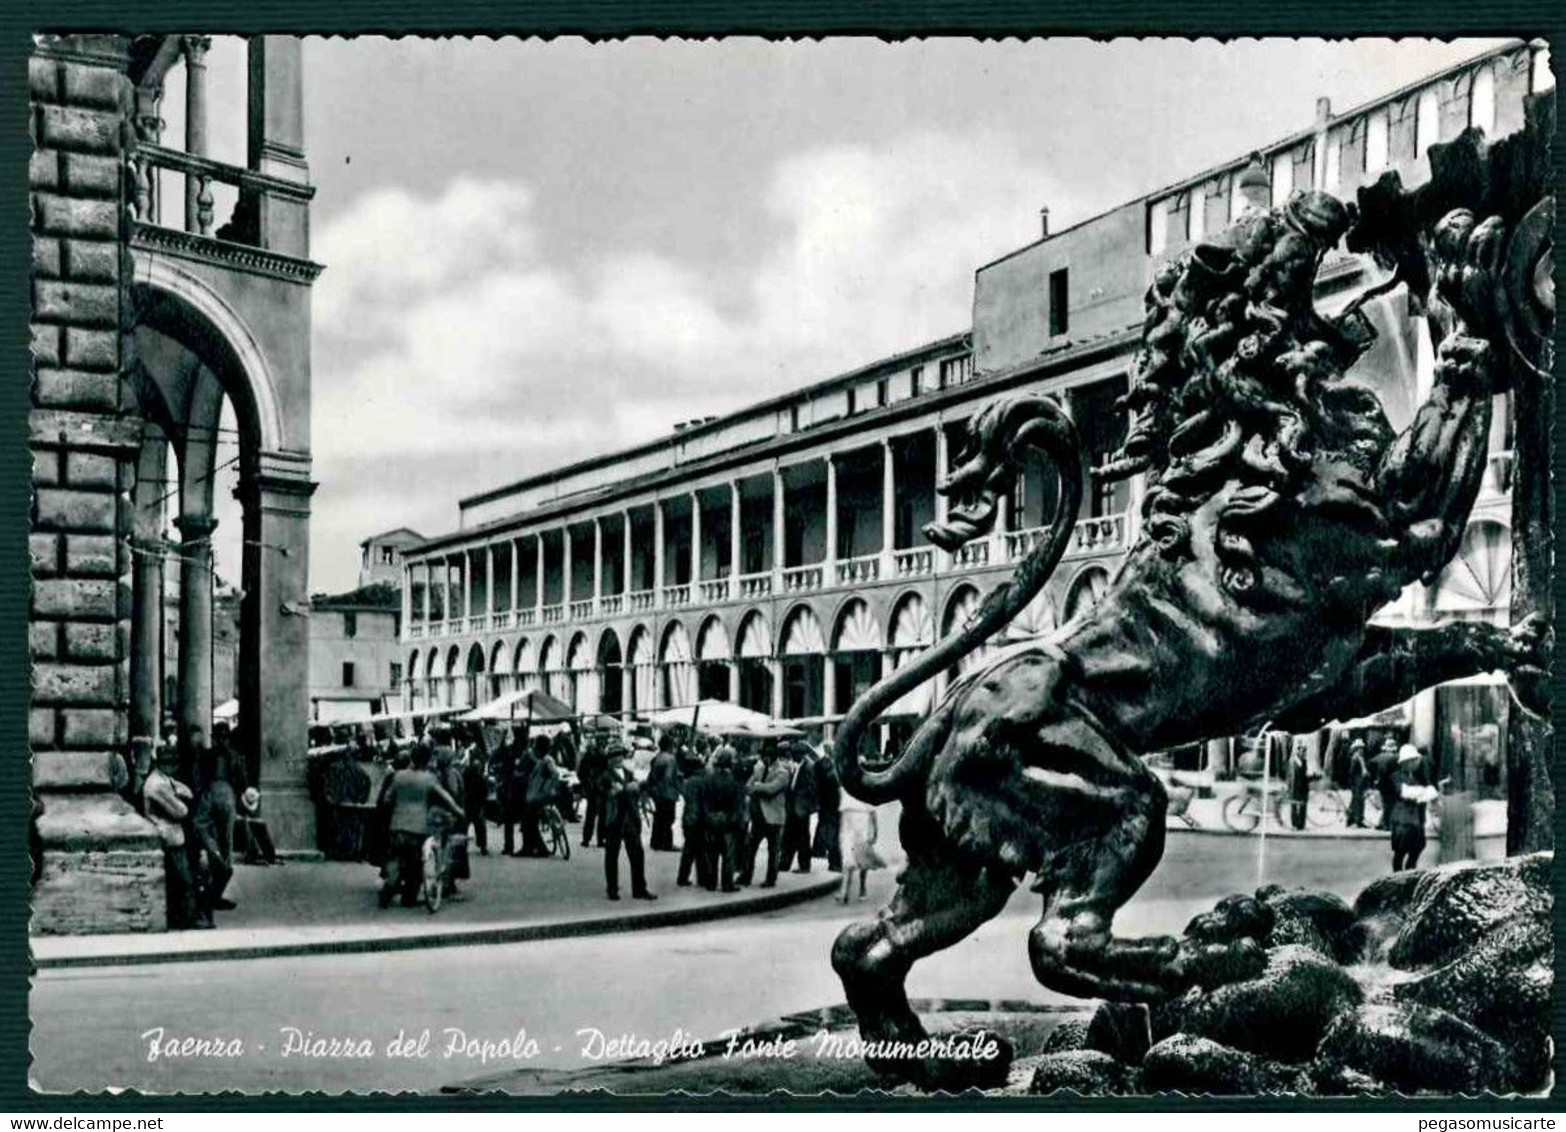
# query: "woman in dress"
{"type": "Point", "coordinates": [857, 833]}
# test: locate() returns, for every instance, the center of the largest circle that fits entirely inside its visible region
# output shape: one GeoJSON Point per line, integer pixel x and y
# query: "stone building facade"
{"type": "Point", "coordinates": [145, 320]}
{"type": "Point", "coordinates": [773, 556]}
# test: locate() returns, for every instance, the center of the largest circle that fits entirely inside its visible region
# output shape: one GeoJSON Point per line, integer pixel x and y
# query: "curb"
{"type": "Point", "coordinates": [459, 937]}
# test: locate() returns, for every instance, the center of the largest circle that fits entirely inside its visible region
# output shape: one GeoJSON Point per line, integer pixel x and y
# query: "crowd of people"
{"type": "Point", "coordinates": [729, 801]}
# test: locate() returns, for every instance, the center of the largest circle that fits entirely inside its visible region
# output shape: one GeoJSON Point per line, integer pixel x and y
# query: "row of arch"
{"type": "Point", "coordinates": [575, 669]}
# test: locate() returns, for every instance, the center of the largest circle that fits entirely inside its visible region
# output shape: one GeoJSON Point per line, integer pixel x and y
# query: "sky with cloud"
{"type": "Point", "coordinates": [537, 252]}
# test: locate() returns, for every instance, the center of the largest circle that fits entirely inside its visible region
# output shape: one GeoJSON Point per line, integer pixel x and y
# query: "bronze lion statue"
{"type": "Point", "coordinates": [1281, 512]}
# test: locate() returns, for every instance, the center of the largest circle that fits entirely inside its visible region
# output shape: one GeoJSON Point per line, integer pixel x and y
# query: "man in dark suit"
{"type": "Point", "coordinates": [829, 802]}
{"type": "Point", "coordinates": [663, 787]}
{"type": "Point", "coordinates": [801, 804]}
{"type": "Point", "coordinates": [219, 780]}
{"type": "Point", "coordinates": [622, 825]}
{"type": "Point", "coordinates": [724, 805]}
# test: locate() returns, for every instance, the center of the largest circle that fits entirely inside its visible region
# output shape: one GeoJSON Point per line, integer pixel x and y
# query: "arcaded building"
{"type": "Point", "coordinates": [773, 556]}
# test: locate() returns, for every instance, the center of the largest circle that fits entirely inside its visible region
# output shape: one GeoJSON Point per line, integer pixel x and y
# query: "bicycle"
{"type": "Point", "coordinates": [1243, 812]}
{"type": "Point", "coordinates": [436, 861]}
{"type": "Point", "coordinates": [552, 830]}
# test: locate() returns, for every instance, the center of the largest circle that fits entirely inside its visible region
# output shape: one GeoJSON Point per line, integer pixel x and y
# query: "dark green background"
{"type": "Point", "coordinates": [19, 19]}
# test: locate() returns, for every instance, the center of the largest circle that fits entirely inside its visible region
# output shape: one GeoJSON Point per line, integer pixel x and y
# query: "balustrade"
{"type": "Point", "coordinates": [1097, 536]}
{"type": "Point", "coordinates": [643, 600]}
{"type": "Point", "coordinates": [858, 571]}
{"type": "Point", "coordinates": [415, 632]}
{"type": "Point", "coordinates": [500, 620]}
{"type": "Point", "coordinates": [676, 596]}
{"type": "Point", "coordinates": [802, 579]}
{"type": "Point", "coordinates": [972, 555]}
{"type": "Point", "coordinates": [552, 614]}
{"type": "Point", "coordinates": [582, 610]}
{"type": "Point", "coordinates": [914, 562]}
{"type": "Point", "coordinates": [477, 624]}
{"type": "Point", "coordinates": [713, 591]}
{"type": "Point", "coordinates": [755, 585]}
{"type": "Point", "coordinates": [611, 604]}
{"type": "Point", "coordinates": [527, 617]}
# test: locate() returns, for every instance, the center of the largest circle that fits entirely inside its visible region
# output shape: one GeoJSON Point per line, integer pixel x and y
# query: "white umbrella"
{"type": "Point", "coordinates": [228, 711]}
{"type": "Point", "coordinates": [715, 714]}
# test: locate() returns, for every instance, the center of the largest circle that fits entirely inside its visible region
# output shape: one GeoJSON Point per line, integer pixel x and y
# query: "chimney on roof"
{"type": "Point", "coordinates": [1323, 111]}
{"type": "Point", "coordinates": [1044, 221]}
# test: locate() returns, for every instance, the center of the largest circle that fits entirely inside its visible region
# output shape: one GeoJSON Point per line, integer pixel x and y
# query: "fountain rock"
{"type": "Point", "coordinates": [1281, 1014]}
{"type": "Point", "coordinates": [1189, 1063]}
{"type": "Point", "coordinates": [1455, 906]}
{"type": "Point", "coordinates": [1090, 1072]}
{"type": "Point", "coordinates": [1501, 986]}
{"type": "Point", "coordinates": [1318, 920]}
{"type": "Point", "coordinates": [1413, 1048]}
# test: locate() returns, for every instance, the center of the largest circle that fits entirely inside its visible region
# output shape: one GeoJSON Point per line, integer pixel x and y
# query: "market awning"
{"type": "Point", "coordinates": [532, 704]}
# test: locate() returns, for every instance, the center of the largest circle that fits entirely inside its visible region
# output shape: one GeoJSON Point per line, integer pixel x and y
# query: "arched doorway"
{"type": "Point", "coordinates": [499, 670]}
{"type": "Point", "coordinates": [434, 679]}
{"type": "Point", "coordinates": [912, 633]}
{"type": "Point", "coordinates": [961, 608]}
{"type": "Point", "coordinates": [1086, 589]}
{"type": "Point", "coordinates": [474, 685]}
{"type": "Point", "coordinates": [675, 664]}
{"type": "Point", "coordinates": [524, 677]}
{"type": "Point", "coordinates": [714, 660]}
{"type": "Point", "coordinates": [581, 678]}
{"type": "Point", "coordinates": [611, 689]}
{"type": "Point", "coordinates": [411, 684]}
{"type": "Point", "coordinates": [455, 677]}
{"type": "Point", "coordinates": [644, 670]}
{"type": "Point", "coordinates": [551, 675]}
{"type": "Point", "coordinates": [802, 652]}
{"type": "Point", "coordinates": [754, 658]}
{"type": "Point", "coordinates": [225, 405]}
{"type": "Point", "coordinates": [856, 656]}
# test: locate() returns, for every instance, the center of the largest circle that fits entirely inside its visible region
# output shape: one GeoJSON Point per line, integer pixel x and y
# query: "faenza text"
{"type": "Point", "coordinates": [450, 1044]}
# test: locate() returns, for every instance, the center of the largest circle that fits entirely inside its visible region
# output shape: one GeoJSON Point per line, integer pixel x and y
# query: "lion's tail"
{"type": "Point", "coordinates": [986, 467]}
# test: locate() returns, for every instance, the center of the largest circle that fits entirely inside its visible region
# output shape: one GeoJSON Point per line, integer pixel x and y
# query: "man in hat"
{"type": "Point", "coordinates": [622, 824]}
{"type": "Point", "coordinates": [1413, 794]}
{"type": "Point", "coordinates": [799, 806]}
{"type": "Point", "coordinates": [768, 787]}
{"type": "Point", "coordinates": [1358, 775]}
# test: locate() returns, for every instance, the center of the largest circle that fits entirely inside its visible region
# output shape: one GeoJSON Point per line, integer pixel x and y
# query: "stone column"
{"type": "Point", "coordinates": [658, 552]}
{"type": "Point", "coordinates": [275, 142]}
{"type": "Point", "coordinates": [538, 585]}
{"type": "Point", "coordinates": [598, 562]}
{"type": "Point", "coordinates": [736, 513]}
{"type": "Point", "coordinates": [147, 580]}
{"type": "Point", "coordinates": [195, 49]}
{"type": "Point", "coordinates": [779, 558]}
{"type": "Point", "coordinates": [888, 497]}
{"type": "Point", "coordinates": [775, 667]}
{"type": "Point", "coordinates": [942, 558]}
{"type": "Point", "coordinates": [516, 575]}
{"type": "Point", "coordinates": [195, 623]}
{"type": "Point", "coordinates": [429, 584]}
{"type": "Point", "coordinates": [625, 563]}
{"type": "Point", "coordinates": [829, 568]}
{"type": "Point", "coordinates": [275, 660]}
{"type": "Point", "coordinates": [489, 580]}
{"type": "Point", "coordinates": [695, 542]}
{"type": "Point", "coordinates": [734, 679]}
{"type": "Point", "coordinates": [627, 684]}
{"type": "Point", "coordinates": [565, 567]}
{"type": "Point", "coordinates": [445, 590]}
{"type": "Point", "coordinates": [828, 684]}
{"type": "Point", "coordinates": [407, 599]}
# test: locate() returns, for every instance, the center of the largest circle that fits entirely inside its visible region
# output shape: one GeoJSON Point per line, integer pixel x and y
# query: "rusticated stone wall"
{"type": "Point", "coordinates": [101, 862]}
